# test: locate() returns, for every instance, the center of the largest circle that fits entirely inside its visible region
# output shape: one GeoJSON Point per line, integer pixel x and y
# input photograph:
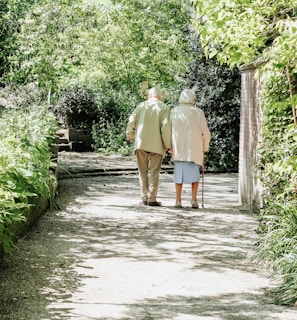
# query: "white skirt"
{"type": "Point", "coordinates": [186, 172]}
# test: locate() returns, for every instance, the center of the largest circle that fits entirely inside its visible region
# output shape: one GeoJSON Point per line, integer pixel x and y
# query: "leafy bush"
{"type": "Point", "coordinates": [277, 167]}
{"type": "Point", "coordinates": [76, 108]}
{"type": "Point", "coordinates": [25, 161]}
{"type": "Point", "coordinates": [218, 95]}
{"type": "Point", "coordinates": [104, 112]}
{"type": "Point", "coordinates": [279, 249]}
{"type": "Point", "coordinates": [109, 133]}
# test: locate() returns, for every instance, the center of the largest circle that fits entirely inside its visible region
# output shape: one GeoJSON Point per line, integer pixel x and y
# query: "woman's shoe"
{"type": "Point", "coordinates": [144, 201]}
{"type": "Point", "coordinates": [195, 205]}
{"type": "Point", "coordinates": [178, 205]}
{"type": "Point", "coordinates": [155, 204]}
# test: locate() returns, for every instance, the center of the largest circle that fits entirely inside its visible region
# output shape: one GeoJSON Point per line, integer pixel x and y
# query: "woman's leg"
{"type": "Point", "coordinates": [178, 191]}
{"type": "Point", "coordinates": [194, 191]}
{"type": "Point", "coordinates": [194, 194]}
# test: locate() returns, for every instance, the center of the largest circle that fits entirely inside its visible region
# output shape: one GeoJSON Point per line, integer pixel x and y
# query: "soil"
{"type": "Point", "coordinates": [101, 255]}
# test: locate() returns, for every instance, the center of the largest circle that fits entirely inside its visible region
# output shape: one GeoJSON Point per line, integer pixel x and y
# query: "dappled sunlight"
{"type": "Point", "coordinates": [152, 280]}
{"type": "Point", "coordinates": [112, 258]}
{"type": "Point", "coordinates": [170, 286]}
{"type": "Point", "coordinates": [122, 228]}
{"type": "Point", "coordinates": [130, 257]}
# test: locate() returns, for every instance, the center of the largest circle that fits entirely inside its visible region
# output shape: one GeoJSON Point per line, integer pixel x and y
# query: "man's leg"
{"type": "Point", "coordinates": [142, 163]}
{"type": "Point", "coordinates": [154, 167]}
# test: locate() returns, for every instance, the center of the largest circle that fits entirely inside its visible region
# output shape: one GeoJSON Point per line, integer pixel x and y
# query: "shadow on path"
{"type": "Point", "coordinates": [102, 256]}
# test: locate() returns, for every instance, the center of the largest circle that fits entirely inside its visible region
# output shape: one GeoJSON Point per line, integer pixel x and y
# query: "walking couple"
{"type": "Point", "coordinates": [181, 131]}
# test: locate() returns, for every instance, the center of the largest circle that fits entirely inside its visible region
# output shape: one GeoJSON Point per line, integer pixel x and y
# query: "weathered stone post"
{"type": "Point", "coordinates": [250, 123]}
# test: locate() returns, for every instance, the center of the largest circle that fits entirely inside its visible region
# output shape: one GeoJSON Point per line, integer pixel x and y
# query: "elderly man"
{"type": "Point", "coordinates": [150, 129]}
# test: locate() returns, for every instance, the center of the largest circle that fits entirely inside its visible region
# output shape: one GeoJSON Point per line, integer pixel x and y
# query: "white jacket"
{"type": "Point", "coordinates": [190, 134]}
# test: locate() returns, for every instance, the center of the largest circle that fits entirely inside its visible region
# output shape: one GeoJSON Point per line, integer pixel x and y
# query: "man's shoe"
{"type": "Point", "coordinates": [143, 203]}
{"type": "Point", "coordinates": [155, 204]}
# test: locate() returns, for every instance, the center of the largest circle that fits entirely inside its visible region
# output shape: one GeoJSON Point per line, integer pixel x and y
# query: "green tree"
{"type": "Point", "coordinates": [45, 43]}
{"type": "Point", "coordinates": [144, 40]}
{"type": "Point", "coordinates": [237, 31]}
{"type": "Point", "coordinates": [122, 42]}
{"type": "Point", "coordinates": [10, 13]}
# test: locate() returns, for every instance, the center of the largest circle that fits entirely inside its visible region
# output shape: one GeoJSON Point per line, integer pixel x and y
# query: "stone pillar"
{"type": "Point", "coordinates": [249, 186]}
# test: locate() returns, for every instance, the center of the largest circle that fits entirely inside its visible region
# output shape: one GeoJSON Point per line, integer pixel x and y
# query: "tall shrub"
{"type": "Point", "coordinates": [217, 90]}
{"type": "Point", "coordinates": [114, 107]}
{"type": "Point", "coordinates": [277, 169]}
{"type": "Point", "coordinates": [76, 108]}
{"type": "Point", "coordinates": [25, 161]}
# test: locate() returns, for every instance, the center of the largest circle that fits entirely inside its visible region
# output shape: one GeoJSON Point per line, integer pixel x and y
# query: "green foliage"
{"type": "Point", "coordinates": [109, 133]}
{"type": "Point", "coordinates": [25, 161]}
{"type": "Point", "coordinates": [144, 40]}
{"type": "Point", "coordinates": [104, 112]}
{"type": "Point", "coordinates": [218, 93]}
{"type": "Point", "coordinates": [64, 43]}
{"type": "Point", "coordinates": [4, 26]}
{"type": "Point", "coordinates": [239, 32]}
{"type": "Point", "coordinates": [76, 108]}
{"type": "Point", "coordinates": [277, 167]}
{"type": "Point", "coordinates": [277, 147]}
{"type": "Point", "coordinates": [10, 13]}
{"type": "Point", "coordinates": [43, 52]}
{"type": "Point", "coordinates": [23, 96]}
{"type": "Point", "coordinates": [279, 249]}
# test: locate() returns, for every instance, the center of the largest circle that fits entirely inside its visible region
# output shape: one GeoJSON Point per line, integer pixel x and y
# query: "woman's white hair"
{"type": "Point", "coordinates": [187, 96]}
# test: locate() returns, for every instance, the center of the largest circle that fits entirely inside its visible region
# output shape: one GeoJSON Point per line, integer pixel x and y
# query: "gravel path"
{"type": "Point", "coordinates": [103, 256]}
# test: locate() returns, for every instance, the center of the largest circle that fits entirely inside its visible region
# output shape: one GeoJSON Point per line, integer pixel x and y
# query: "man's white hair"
{"type": "Point", "coordinates": [155, 92]}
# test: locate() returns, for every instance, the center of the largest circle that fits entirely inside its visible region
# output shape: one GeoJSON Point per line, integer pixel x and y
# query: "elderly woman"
{"type": "Point", "coordinates": [190, 139]}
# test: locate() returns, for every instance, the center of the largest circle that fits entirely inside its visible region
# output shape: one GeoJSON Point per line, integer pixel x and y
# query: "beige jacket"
{"type": "Point", "coordinates": [149, 127]}
{"type": "Point", "coordinates": [190, 134]}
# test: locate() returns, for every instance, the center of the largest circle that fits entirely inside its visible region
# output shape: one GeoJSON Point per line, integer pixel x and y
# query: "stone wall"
{"type": "Point", "coordinates": [75, 140]}
{"type": "Point", "coordinates": [39, 205]}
